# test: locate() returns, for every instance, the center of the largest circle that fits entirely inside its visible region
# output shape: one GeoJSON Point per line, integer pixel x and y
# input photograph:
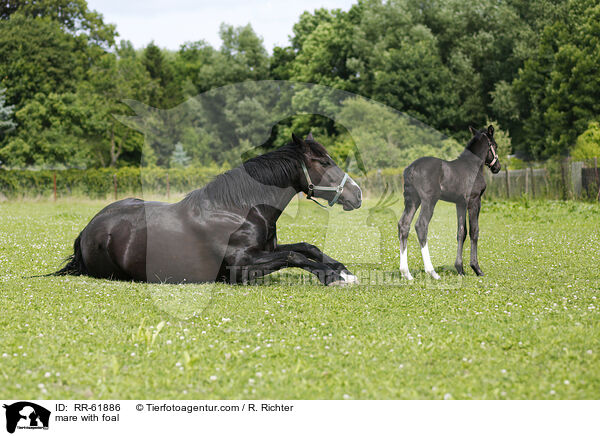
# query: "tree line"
{"type": "Point", "coordinates": [531, 67]}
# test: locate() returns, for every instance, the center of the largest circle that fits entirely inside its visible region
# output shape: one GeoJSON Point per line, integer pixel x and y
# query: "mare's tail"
{"type": "Point", "coordinates": [75, 265]}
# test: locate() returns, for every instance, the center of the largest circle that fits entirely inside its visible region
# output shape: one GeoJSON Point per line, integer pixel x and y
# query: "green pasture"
{"type": "Point", "coordinates": [529, 329]}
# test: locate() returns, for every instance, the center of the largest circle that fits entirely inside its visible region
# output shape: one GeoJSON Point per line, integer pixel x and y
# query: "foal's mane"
{"type": "Point", "coordinates": [472, 142]}
{"type": "Point", "coordinates": [276, 168]}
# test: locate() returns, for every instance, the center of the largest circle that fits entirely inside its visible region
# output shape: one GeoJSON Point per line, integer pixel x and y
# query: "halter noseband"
{"type": "Point", "coordinates": [493, 151]}
{"type": "Point", "coordinates": [312, 188]}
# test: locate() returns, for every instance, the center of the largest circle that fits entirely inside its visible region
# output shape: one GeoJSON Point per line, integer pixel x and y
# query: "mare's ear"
{"type": "Point", "coordinates": [473, 131]}
{"type": "Point", "coordinates": [299, 142]}
{"type": "Point", "coordinates": [490, 131]}
{"type": "Point", "coordinates": [310, 137]}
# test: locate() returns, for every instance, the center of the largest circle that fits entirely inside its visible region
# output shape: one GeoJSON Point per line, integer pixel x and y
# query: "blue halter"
{"type": "Point", "coordinates": [312, 188]}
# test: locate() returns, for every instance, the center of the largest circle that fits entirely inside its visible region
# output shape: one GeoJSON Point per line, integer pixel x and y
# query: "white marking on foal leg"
{"type": "Point", "coordinates": [404, 264]}
{"type": "Point", "coordinates": [427, 261]}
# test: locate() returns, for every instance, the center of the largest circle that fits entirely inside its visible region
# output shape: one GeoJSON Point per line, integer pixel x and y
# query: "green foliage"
{"type": "Point", "coordinates": [167, 94]}
{"type": "Point", "coordinates": [387, 138]}
{"type": "Point", "coordinates": [98, 183]}
{"type": "Point", "coordinates": [553, 92]}
{"type": "Point", "coordinates": [179, 158]}
{"type": "Point", "coordinates": [587, 146]}
{"type": "Point", "coordinates": [6, 112]}
{"type": "Point", "coordinates": [38, 57]}
{"type": "Point", "coordinates": [448, 64]}
{"type": "Point", "coordinates": [72, 15]}
{"type": "Point", "coordinates": [52, 132]}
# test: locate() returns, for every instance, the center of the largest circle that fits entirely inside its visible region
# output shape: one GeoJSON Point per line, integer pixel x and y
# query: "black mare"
{"type": "Point", "coordinates": [225, 231]}
{"type": "Point", "coordinates": [460, 181]}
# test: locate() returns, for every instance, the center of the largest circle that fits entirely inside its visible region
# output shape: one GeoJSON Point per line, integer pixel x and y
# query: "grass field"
{"type": "Point", "coordinates": [529, 329]}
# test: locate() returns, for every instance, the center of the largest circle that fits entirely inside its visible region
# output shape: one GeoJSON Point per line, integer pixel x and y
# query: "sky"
{"type": "Point", "coordinates": [170, 23]}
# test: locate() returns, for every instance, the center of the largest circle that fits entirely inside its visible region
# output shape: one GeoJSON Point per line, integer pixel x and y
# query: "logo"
{"type": "Point", "coordinates": [26, 415]}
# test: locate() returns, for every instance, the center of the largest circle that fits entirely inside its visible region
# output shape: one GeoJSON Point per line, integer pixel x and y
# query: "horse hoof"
{"type": "Point", "coordinates": [407, 276]}
{"type": "Point", "coordinates": [349, 278]}
{"type": "Point", "coordinates": [338, 283]}
{"type": "Point", "coordinates": [434, 275]}
{"type": "Point", "coordinates": [477, 270]}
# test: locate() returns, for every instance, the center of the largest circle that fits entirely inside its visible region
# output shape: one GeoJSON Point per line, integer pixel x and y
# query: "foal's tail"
{"type": "Point", "coordinates": [75, 265]}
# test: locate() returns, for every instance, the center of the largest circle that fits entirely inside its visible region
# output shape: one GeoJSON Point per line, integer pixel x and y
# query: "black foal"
{"type": "Point", "coordinates": [460, 181]}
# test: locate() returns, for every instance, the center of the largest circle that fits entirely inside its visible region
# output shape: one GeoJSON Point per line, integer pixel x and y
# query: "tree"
{"type": "Point", "coordinates": [587, 146]}
{"type": "Point", "coordinates": [79, 128]}
{"type": "Point", "coordinates": [51, 133]}
{"type": "Point", "coordinates": [37, 56]}
{"type": "Point", "coordinates": [72, 15]}
{"type": "Point", "coordinates": [6, 111]}
{"type": "Point", "coordinates": [167, 94]}
{"type": "Point", "coordinates": [555, 92]}
{"type": "Point", "coordinates": [179, 157]}
{"type": "Point", "coordinates": [112, 80]}
{"type": "Point", "coordinates": [242, 57]}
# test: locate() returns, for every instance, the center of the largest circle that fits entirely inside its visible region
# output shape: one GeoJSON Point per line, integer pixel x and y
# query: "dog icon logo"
{"type": "Point", "coordinates": [26, 415]}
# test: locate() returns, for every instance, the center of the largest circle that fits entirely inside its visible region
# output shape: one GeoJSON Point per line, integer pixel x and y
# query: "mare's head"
{"type": "Point", "coordinates": [484, 140]}
{"type": "Point", "coordinates": [322, 178]}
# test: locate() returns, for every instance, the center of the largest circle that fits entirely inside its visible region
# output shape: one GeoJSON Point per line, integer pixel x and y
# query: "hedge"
{"type": "Point", "coordinates": [98, 183]}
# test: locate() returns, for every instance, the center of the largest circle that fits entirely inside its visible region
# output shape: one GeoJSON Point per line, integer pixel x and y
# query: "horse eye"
{"type": "Point", "coordinates": [323, 162]}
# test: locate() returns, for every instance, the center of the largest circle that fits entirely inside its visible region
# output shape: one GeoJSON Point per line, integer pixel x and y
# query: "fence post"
{"type": "Point", "coordinates": [563, 169]}
{"type": "Point", "coordinates": [576, 178]}
{"type": "Point", "coordinates": [115, 184]}
{"type": "Point", "coordinates": [507, 182]}
{"type": "Point", "coordinates": [54, 184]}
{"type": "Point", "coordinates": [532, 183]}
{"type": "Point", "coordinates": [526, 182]}
{"type": "Point", "coordinates": [597, 178]}
{"type": "Point", "coordinates": [168, 187]}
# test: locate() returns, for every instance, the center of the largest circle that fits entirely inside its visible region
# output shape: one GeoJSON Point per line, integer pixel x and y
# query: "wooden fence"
{"type": "Point", "coordinates": [565, 180]}
{"type": "Point", "coordinates": [569, 180]}
{"type": "Point", "coordinates": [516, 183]}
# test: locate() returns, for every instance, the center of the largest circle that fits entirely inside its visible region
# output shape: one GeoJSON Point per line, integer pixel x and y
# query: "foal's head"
{"type": "Point", "coordinates": [322, 178]}
{"type": "Point", "coordinates": [485, 139]}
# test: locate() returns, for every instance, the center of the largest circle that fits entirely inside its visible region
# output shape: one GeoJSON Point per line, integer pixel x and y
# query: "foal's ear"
{"type": "Point", "coordinates": [298, 141]}
{"type": "Point", "coordinates": [490, 131]}
{"type": "Point", "coordinates": [310, 137]}
{"type": "Point", "coordinates": [473, 131]}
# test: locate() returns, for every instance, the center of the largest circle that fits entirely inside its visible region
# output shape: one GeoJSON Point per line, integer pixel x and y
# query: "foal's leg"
{"type": "Point", "coordinates": [266, 262]}
{"type": "Point", "coordinates": [313, 253]}
{"type": "Point", "coordinates": [461, 235]}
{"type": "Point", "coordinates": [421, 228]}
{"type": "Point", "coordinates": [411, 204]}
{"type": "Point", "coordinates": [474, 207]}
